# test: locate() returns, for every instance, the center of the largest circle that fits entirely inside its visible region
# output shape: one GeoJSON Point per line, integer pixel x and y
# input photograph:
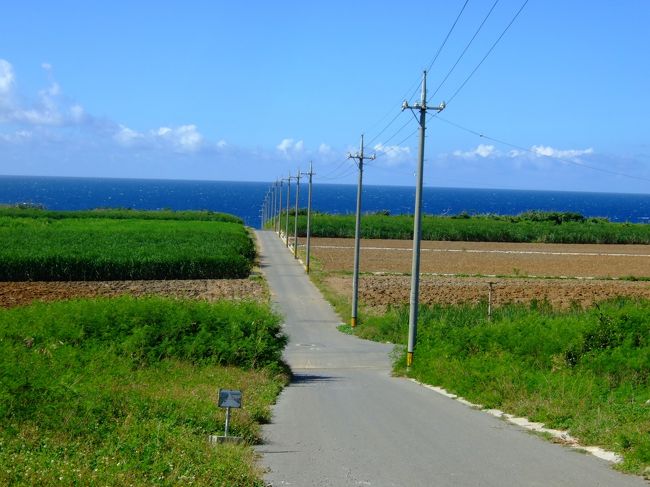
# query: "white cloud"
{"type": "Point", "coordinates": [7, 79]}
{"type": "Point", "coordinates": [221, 144]}
{"type": "Point", "coordinates": [17, 136]}
{"type": "Point", "coordinates": [482, 150]}
{"type": "Point", "coordinates": [395, 154]}
{"type": "Point", "coordinates": [127, 136]}
{"type": "Point", "coordinates": [185, 138]}
{"type": "Point", "coordinates": [324, 149]}
{"type": "Point", "coordinates": [288, 146]}
{"type": "Point", "coordinates": [541, 150]}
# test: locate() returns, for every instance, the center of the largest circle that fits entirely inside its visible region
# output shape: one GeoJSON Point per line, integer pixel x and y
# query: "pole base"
{"type": "Point", "coordinates": [220, 440]}
{"type": "Point", "coordinates": [353, 322]}
{"type": "Point", "coordinates": [409, 359]}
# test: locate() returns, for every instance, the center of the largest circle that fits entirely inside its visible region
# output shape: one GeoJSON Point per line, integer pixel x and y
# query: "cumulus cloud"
{"type": "Point", "coordinates": [185, 138]}
{"type": "Point", "coordinates": [50, 108]}
{"type": "Point", "coordinates": [7, 79]}
{"type": "Point", "coordinates": [394, 154]}
{"type": "Point", "coordinates": [482, 150]}
{"type": "Point", "coordinates": [324, 149]}
{"type": "Point", "coordinates": [289, 146]}
{"type": "Point", "coordinates": [541, 150]}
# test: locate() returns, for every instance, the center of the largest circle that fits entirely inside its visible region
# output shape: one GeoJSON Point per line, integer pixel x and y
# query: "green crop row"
{"type": "Point", "coordinates": [119, 214]}
{"type": "Point", "coordinates": [546, 227]}
{"type": "Point", "coordinates": [587, 371]}
{"type": "Point", "coordinates": [112, 249]}
{"type": "Point", "coordinates": [123, 391]}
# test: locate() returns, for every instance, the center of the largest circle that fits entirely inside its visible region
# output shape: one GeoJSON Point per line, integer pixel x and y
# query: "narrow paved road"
{"type": "Point", "coordinates": [344, 421]}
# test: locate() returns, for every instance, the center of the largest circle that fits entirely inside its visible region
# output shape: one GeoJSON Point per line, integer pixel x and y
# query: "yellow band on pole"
{"type": "Point", "coordinates": [409, 359]}
{"type": "Point", "coordinates": [353, 322]}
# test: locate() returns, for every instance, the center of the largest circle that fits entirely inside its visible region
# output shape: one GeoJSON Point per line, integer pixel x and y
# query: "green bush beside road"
{"type": "Point", "coordinates": [123, 391]}
{"type": "Point", "coordinates": [587, 371]}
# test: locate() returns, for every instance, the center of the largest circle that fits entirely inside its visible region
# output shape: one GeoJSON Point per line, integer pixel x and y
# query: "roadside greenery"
{"type": "Point", "coordinates": [119, 214]}
{"type": "Point", "coordinates": [123, 391]}
{"type": "Point", "coordinates": [532, 226]}
{"type": "Point", "coordinates": [587, 371]}
{"type": "Point", "coordinates": [90, 249]}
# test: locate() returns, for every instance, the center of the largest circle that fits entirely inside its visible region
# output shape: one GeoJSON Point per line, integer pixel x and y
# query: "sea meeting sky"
{"type": "Point", "coordinates": [234, 90]}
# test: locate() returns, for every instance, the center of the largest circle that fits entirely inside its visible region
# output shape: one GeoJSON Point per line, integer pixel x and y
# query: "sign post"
{"type": "Point", "coordinates": [228, 399]}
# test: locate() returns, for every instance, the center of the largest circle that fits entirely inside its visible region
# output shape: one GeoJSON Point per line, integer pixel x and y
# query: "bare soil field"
{"type": "Point", "coordinates": [447, 265]}
{"type": "Point", "coordinates": [487, 258]}
{"type": "Point", "coordinates": [378, 292]}
{"type": "Point", "coordinates": [20, 293]}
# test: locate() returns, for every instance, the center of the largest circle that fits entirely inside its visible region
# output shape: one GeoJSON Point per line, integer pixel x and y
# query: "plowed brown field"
{"type": "Point", "coordinates": [445, 264]}
{"type": "Point", "coordinates": [19, 293]}
{"type": "Point", "coordinates": [487, 258]}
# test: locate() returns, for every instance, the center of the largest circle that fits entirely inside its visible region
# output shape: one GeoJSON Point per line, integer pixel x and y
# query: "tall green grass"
{"type": "Point", "coordinates": [587, 371]}
{"type": "Point", "coordinates": [114, 249]}
{"type": "Point", "coordinates": [123, 391]}
{"type": "Point", "coordinates": [545, 227]}
{"type": "Point", "coordinates": [120, 214]}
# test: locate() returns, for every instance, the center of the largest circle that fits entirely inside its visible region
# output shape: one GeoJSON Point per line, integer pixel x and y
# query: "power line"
{"type": "Point", "coordinates": [446, 38]}
{"type": "Point", "coordinates": [525, 149]}
{"type": "Point", "coordinates": [414, 88]}
{"type": "Point", "coordinates": [488, 53]}
{"type": "Point", "coordinates": [462, 54]}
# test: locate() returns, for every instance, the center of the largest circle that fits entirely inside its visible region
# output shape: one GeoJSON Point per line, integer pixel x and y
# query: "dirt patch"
{"type": "Point", "coordinates": [20, 293]}
{"type": "Point", "coordinates": [488, 258]}
{"type": "Point", "coordinates": [378, 292]}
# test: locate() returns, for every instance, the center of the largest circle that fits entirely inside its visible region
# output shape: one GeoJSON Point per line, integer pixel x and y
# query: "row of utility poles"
{"type": "Point", "coordinates": [272, 211]}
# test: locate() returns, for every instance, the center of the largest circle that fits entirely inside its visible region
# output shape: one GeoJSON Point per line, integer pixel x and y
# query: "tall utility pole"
{"type": "Point", "coordinates": [417, 220]}
{"type": "Point", "coordinates": [295, 220]}
{"type": "Point", "coordinates": [308, 243]}
{"type": "Point", "coordinates": [357, 235]}
{"type": "Point", "coordinates": [270, 215]}
{"type": "Point", "coordinates": [275, 203]}
{"type": "Point", "coordinates": [279, 209]}
{"type": "Point", "coordinates": [286, 226]}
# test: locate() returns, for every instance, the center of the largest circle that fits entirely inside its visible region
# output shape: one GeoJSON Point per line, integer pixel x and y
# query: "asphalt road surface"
{"type": "Point", "coordinates": [344, 421]}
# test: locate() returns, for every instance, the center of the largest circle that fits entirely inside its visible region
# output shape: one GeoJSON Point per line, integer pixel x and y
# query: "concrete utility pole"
{"type": "Point", "coordinates": [308, 243]}
{"type": "Point", "coordinates": [274, 199]}
{"type": "Point", "coordinates": [417, 221]}
{"type": "Point", "coordinates": [279, 209]}
{"type": "Point", "coordinates": [359, 157]}
{"type": "Point", "coordinates": [295, 219]}
{"type": "Point", "coordinates": [286, 226]}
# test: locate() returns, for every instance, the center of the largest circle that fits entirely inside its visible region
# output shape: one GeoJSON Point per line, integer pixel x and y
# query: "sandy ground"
{"type": "Point", "coordinates": [447, 265]}
{"type": "Point", "coordinates": [19, 293]}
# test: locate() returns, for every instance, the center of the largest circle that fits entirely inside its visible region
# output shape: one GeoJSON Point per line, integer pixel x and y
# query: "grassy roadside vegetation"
{"type": "Point", "coordinates": [120, 214]}
{"type": "Point", "coordinates": [533, 226]}
{"type": "Point", "coordinates": [587, 371]}
{"type": "Point", "coordinates": [123, 391]}
{"type": "Point", "coordinates": [90, 249]}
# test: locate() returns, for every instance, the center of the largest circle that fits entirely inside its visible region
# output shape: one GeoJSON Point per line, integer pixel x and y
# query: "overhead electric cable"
{"type": "Point", "coordinates": [488, 53]}
{"type": "Point", "coordinates": [525, 149]}
{"type": "Point", "coordinates": [462, 54]}
{"type": "Point", "coordinates": [414, 89]}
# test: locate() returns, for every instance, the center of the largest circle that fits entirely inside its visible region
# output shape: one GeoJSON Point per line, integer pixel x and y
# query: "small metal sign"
{"type": "Point", "coordinates": [229, 398]}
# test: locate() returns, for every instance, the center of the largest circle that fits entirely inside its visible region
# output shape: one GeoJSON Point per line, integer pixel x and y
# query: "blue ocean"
{"type": "Point", "coordinates": [245, 199]}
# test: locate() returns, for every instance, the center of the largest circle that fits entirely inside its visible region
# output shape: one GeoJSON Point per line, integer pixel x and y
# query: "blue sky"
{"type": "Point", "coordinates": [255, 90]}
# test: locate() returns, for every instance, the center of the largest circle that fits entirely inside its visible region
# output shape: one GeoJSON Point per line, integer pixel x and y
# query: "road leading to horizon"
{"type": "Point", "coordinates": [344, 421]}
